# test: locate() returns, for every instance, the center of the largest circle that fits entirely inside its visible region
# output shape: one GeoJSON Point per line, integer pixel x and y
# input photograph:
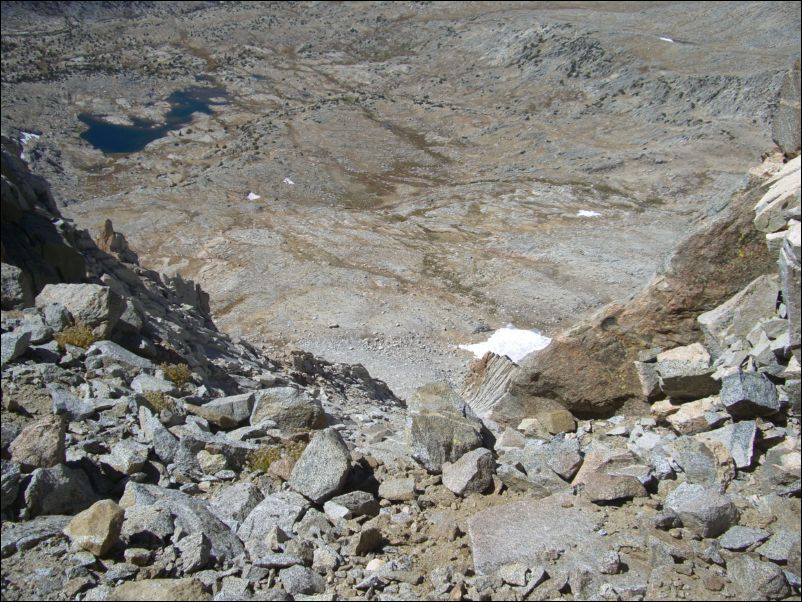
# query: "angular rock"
{"type": "Point", "coordinates": [40, 444]}
{"type": "Point", "coordinates": [366, 541]}
{"type": "Point", "coordinates": [740, 538]}
{"type": "Point", "coordinates": [649, 380]}
{"type": "Point", "coordinates": [702, 510]}
{"type": "Point", "coordinates": [68, 404]}
{"type": "Point", "coordinates": [486, 387]}
{"type": "Point", "coordinates": [441, 426]}
{"type": "Point", "coordinates": [737, 316]}
{"type": "Point", "coordinates": [557, 421]}
{"type": "Point", "coordinates": [601, 487]}
{"type": "Point", "coordinates": [98, 307]}
{"type": "Point", "coordinates": [25, 535]}
{"type": "Point", "coordinates": [165, 444]}
{"type": "Point", "coordinates": [785, 121]}
{"type": "Point", "coordinates": [472, 473]}
{"type": "Point", "coordinates": [195, 551]}
{"type": "Point", "coordinates": [695, 416]}
{"type": "Point", "coordinates": [700, 462]}
{"type": "Point", "coordinates": [280, 510]}
{"type": "Point", "coordinates": [791, 278]}
{"type": "Point", "coordinates": [13, 345]}
{"type": "Point", "coordinates": [58, 490]}
{"type": "Point", "coordinates": [780, 546]}
{"type": "Point", "coordinates": [9, 484]}
{"type": "Point", "coordinates": [160, 589]}
{"type": "Point", "coordinates": [357, 503]}
{"type": "Point", "coordinates": [145, 382]}
{"type": "Point", "coordinates": [323, 467]}
{"type": "Point", "coordinates": [301, 580]}
{"type": "Point", "coordinates": [112, 353]}
{"type": "Point", "coordinates": [233, 504]}
{"type": "Point", "coordinates": [781, 195]}
{"type": "Point", "coordinates": [211, 463]}
{"type": "Point", "coordinates": [127, 456]}
{"type": "Point", "coordinates": [97, 528]}
{"type": "Point", "coordinates": [397, 490]}
{"type": "Point", "coordinates": [686, 373]}
{"type": "Point", "coordinates": [521, 531]}
{"type": "Point", "coordinates": [15, 288]}
{"type": "Point", "coordinates": [749, 394]}
{"type": "Point", "coordinates": [564, 457]}
{"type": "Point", "coordinates": [235, 409]}
{"type": "Point", "coordinates": [191, 514]}
{"type": "Point", "coordinates": [290, 408]}
{"type": "Point", "coordinates": [754, 578]}
{"type": "Point", "coordinates": [738, 438]}
{"type": "Point", "coordinates": [147, 525]}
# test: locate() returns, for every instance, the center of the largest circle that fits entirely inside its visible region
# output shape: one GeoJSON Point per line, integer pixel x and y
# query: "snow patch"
{"type": "Point", "coordinates": [252, 196]}
{"type": "Point", "coordinates": [585, 213]}
{"type": "Point", "coordinates": [513, 342]}
{"type": "Point", "coordinates": [666, 39]}
{"type": "Point", "coordinates": [288, 181]}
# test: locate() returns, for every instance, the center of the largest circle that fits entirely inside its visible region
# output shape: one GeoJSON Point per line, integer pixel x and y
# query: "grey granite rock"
{"type": "Point", "coordinates": [280, 510]}
{"type": "Point", "coordinates": [702, 510]}
{"type": "Point", "coordinates": [441, 426]}
{"type": "Point", "coordinates": [290, 408]}
{"type": "Point", "coordinates": [749, 394]}
{"type": "Point", "coordinates": [12, 345]}
{"type": "Point", "coordinates": [322, 469]}
{"type": "Point", "coordinates": [740, 538]}
{"type": "Point", "coordinates": [191, 514]}
{"type": "Point", "coordinates": [521, 531]}
{"type": "Point", "coordinates": [25, 535]}
{"type": "Point", "coordinates": [471, 473]}
{"type": "Point", "coordinates": [58, 490]}
{"type": "Point", "coordinates": [301, 580]}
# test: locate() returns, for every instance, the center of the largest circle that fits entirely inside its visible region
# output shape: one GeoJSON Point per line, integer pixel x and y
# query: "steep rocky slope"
{"type": "Point", "coordinates": [420, 166]}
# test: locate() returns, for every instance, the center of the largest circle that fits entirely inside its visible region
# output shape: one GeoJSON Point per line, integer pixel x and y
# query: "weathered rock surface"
{"type": "Point", "coordinates": [98, 307]}
{"type": "Point", "coordinates": [524, 530]}
{"type": "Point", "coordinates": [322, 469]}
{"type": "Point", "coordinates": [290, 408]}
{"type": "Point", "coordinates": [160, 589]}
{"type": "Point", "coordinates": [702, 510]}
{"type": "Point", "coordinates": [472, 473]}
{"type": "Point", "coordinates": [97, 528]}
{"type": "Point", "coordinates": [40, 444]}
{"type": "Point", "coordinates": [442, 427]}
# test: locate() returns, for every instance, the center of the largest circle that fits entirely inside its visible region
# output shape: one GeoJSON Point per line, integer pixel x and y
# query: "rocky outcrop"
{"type": "Point", "coordinates": [590, 368]}
{"type": "Point", "coordinates": [786, 123]}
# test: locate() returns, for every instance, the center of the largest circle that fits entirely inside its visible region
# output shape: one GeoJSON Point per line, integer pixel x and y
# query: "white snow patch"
{"type": "Point", "coordinates": [25, 138]}
{"type": "Point", "coordinates": [586, 213]}
{"type": "Point", "coordinates": [288, 181]}
{"type": "Point", "coordinates": [512, 342]}
{"type": "Point", "coordinates": [252, 196]}
{"type": "Point", "coordinates": [666, 39]}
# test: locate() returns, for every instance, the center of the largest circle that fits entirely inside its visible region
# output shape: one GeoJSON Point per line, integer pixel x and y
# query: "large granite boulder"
{"type": "Point", "coordinates": [96, 306]}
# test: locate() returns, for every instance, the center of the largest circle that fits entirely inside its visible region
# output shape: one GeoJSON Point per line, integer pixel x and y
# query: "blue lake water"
{"type": "Point", "coordinates": [113, 138]}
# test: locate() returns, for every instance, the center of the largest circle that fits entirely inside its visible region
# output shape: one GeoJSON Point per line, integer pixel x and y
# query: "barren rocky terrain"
{"type": "Point", "coordinates": [242, 241]}
{"type": "Point", "coordinates": [420, 166]}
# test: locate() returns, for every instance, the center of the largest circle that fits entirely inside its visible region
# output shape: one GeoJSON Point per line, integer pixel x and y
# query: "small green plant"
{"type": "Point", "coordinates": [179, 374]}
{"type": "Point", "coordinates": [79, 335]}
{"type": "Point", "coordinates": [259, 460]}
{"type": "Point", "coordinates": [159, 401]}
